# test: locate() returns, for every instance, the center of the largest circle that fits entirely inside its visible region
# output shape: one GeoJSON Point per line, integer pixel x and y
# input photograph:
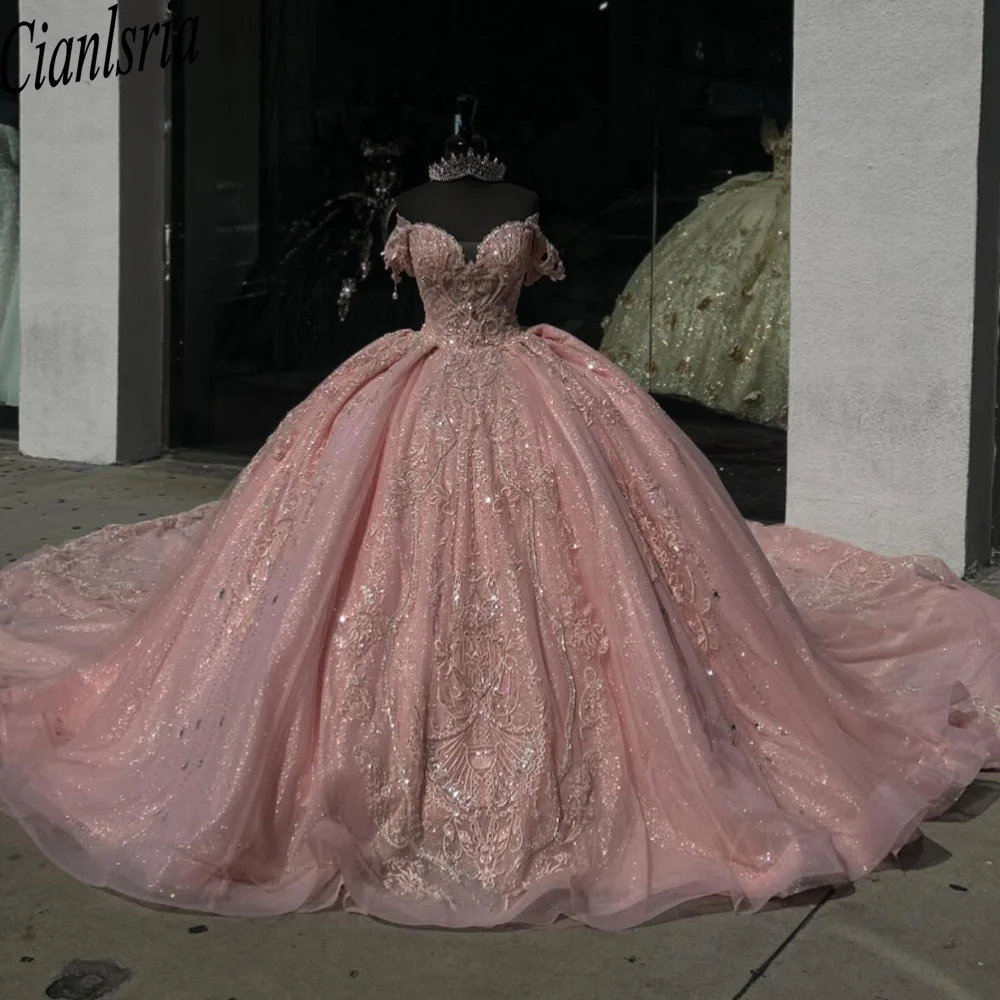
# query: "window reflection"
{"type": "Point", "coordinates": [300, 117]}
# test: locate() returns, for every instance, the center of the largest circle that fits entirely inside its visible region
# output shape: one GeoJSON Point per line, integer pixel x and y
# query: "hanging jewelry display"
{"type": "Point", "coordinates": [332, 246]}
{"type": "Point", "coordinates": [310, 279]}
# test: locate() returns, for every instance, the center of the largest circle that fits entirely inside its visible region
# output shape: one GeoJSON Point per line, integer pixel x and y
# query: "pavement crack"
{"type": "Point", "coordinates": [761, 969]}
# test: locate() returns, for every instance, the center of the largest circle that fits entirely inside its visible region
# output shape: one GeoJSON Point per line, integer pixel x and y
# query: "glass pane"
{"type": "Point", "coordinates": [300, 121]}
{"type": "Point", "coordinates": [287, 130]}
{"type": "Point", "coordinates": [702, 322]}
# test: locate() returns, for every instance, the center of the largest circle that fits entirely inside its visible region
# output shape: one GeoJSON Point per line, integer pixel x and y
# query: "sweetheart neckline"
{"type": "Point", "coordinates": [531, 220]}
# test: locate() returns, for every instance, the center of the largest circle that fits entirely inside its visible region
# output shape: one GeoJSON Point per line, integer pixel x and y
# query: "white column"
{"type": "Point", "coordinates": [92, 197]}
{"type": "Point", "coordinates": [884, 439]}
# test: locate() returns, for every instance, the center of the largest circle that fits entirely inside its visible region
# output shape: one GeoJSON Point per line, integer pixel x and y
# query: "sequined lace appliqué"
{"type": "Point", "coordinates": [510, 782]}
{"type": "Point", "coordinates": [485, 809]}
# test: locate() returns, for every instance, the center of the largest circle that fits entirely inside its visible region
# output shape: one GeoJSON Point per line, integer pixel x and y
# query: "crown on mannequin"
{"type": "Point", "coordinates": [466, 151]}
{"type": "Point", "coordinates": [481, 166]}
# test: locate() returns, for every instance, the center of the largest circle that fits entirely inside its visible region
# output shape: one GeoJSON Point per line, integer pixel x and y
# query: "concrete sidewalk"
{"type": "Point", "coordinates": [924, 931]}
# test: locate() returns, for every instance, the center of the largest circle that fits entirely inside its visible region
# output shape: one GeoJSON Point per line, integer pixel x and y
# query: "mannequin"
{"type": "Point", "coordinates": [467, 207]}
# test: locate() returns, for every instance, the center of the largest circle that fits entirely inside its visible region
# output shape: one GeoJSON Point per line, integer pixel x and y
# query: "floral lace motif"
{"type": "Point", "coordinates": [486, 734]}
{"type": "Point", "coordinates": [493, 807]}
{"type": "Point", "coordinates": [853, 578]}
{"type": "Point", "coordinates": [471, 302]}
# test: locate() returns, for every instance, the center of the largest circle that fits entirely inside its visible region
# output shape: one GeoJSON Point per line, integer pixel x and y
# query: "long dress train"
{"type": "Point", "coordinates": [478, 638]}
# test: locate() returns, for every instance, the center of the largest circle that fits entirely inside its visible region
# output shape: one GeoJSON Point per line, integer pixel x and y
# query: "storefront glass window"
{"type": "Point", "coordinates": [301, 118]}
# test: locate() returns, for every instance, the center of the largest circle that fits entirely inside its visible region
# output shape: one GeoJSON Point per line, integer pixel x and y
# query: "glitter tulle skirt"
{"type": "Point", "coordinates": [478, 638]}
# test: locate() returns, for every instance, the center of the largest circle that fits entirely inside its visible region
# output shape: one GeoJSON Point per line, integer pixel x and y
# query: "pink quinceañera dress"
{"type": "Point", "coordinates": [478, 638]}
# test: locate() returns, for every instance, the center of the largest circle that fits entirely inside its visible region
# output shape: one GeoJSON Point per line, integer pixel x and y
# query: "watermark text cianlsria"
{"type": "Point", "coordinates": [61, 61]}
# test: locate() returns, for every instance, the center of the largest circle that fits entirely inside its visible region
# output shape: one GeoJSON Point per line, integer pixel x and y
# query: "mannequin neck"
{"type": "Point", "coordinates": [469, 209]}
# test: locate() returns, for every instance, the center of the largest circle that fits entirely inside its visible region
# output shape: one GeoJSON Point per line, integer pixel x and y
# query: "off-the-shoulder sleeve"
{"type": "Point", "coordinates": [397, 251]}
{"type": "Point", "coordinates": [545, 260]}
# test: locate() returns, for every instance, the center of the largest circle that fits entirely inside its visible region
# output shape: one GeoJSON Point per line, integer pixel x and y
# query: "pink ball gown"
{"type": "Point", "coordinates": [478, 638]}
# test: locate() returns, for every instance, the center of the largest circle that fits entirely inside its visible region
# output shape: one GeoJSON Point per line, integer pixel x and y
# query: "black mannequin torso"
{"type": "Point", "coordinates": [467, 208]}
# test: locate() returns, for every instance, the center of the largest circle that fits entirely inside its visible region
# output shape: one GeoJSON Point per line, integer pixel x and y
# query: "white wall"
{"type": "Point", "coordinates": [884, 213]}
{"type": "Point", "coordinates": [69, 251]}
{"type": "Point", "coordinates": [91, 384]}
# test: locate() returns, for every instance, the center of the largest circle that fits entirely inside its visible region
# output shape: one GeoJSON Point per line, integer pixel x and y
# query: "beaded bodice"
{"type": "Point", "coordinates": [471, 301]}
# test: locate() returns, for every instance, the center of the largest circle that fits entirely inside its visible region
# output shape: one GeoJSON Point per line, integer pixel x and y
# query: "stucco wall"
{"type": "Point", "coordinates": [884, 211]}
{"type": "Point", "coordinates": [92, 201]}
{"type": "Point", "coordinates": [69, 250]}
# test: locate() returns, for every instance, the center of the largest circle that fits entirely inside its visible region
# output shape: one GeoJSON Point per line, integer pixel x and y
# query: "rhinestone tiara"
{"type": "Point", "coordinates": [467, 164]}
